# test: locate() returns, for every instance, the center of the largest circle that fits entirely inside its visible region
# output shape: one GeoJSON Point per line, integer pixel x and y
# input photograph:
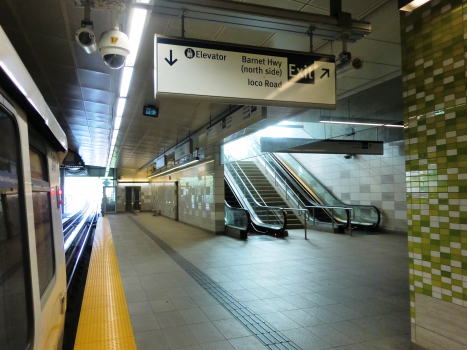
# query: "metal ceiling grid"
{"type": "Point", "coordinates": [79, 88]}
{"type": "Point", "coordinates": [144, 138]}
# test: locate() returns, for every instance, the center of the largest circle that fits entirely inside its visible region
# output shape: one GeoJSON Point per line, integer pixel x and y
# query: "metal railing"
{"type": "Point", "coordinates": [273, 218]}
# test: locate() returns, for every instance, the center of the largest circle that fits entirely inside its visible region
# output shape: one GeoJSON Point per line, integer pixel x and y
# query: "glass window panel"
{"type": "Point", "coordinates": [14, 313]}
{"type": "Point", "coordinates": [44, 238]}
{"type": "Point", "coordinates": [38, 168]}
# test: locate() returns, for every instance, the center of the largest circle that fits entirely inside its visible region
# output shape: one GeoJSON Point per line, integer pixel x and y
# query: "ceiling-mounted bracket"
{"type": "Point", "coordinates": [182, 18]}
{"type": "Point", "coordinates": [87, 15]}
{"type": "Point", "coordinates": [262, 18]}
{"type": "Point", "coordinates": [310, 34]}
{"type": "Point", "coordinates": [104, 5]}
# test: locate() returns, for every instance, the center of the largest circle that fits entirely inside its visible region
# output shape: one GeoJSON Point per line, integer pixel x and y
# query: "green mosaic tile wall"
{"type": "Point", "coordinates": [434, 51]}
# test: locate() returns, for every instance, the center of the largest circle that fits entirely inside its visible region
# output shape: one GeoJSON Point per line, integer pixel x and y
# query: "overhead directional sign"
{"type": "Point", "coordinates": [243, 74]}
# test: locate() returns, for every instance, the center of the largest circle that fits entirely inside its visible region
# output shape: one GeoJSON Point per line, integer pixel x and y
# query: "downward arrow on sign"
{"type": "Point", "coordinates": [171, 62]}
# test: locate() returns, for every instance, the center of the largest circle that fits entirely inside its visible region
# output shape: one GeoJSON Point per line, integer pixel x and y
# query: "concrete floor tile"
{"type": "Point", "coordinates": [206, 332]}
{"type": "Point", "coordinates": [331, 335]}
{"type": "Point", "coordinates": [280, 321]}
{"type": "Point", "coordinates": [177, 337]}
{"type": "Point", "coordinates": [151, 340]}
{"type": "Point", "coordinates": [139, 308]}
{"type": "Point", "coordinates": [303, 318]}
{"type": "Point", "coordinates": [162, 305]}
{"type": "Point", "coordinates": [247, 343]}
{"type": "Point", "coordinates": [142, 323]}
{"type": "Point", "coordinates": [183, 303]}
{"type": "Point", "coordinates": [169, 319]}
{"type": "Point", "coordinates": [231, 328]}
{"type": "Point", "coordinates": [306, 340]}
{"type": "Point", "coordinates": [216, 312]}
{"type": "Point", "coordinates": [194, 315]}
{"type": "Point", "coordinates": [220, 345]}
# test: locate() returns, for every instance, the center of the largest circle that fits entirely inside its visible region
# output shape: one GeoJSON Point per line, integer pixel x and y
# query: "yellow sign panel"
{"type": "Point", "coordinates": [113, 40]}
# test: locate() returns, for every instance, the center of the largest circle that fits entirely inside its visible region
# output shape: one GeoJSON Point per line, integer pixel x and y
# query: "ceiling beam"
{"type": "Point", "coordinates": [264, 18]}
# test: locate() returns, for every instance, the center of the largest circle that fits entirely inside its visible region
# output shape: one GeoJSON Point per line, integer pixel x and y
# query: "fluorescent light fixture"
{"type": "Point", "coordinates": [355, 123]}
{"type": "Point", "coordinates": [13, 79]}
{"type": "Point", "coordinates": [126, 79]}
{"type": "Point", "coordinates": [114, 134]}
{"type": "Point", "coordinates": [176, 167]}
{"type": "Point", "coordinates": [136, 31]}
{"type": "Point", "coordinates": [117, 122]}
{"type": "Point", "coordinates": [410, 5]}
{"type": "Point", "coordinates": [349, 123]}
{"type": "Point", "coordinates": [120, 106]}
{"type": "Point", "coordinates": [113, 142]}
{"type": "Point", "coordinates": [143, 1]}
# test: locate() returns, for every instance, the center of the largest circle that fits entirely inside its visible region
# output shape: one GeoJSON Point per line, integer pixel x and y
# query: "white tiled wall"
{"type": "Point", "coordinates": [366, 179]}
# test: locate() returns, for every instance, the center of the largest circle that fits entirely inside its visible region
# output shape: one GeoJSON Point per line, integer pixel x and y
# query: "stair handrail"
{"type": "Point", "coordinates": [246, 212]}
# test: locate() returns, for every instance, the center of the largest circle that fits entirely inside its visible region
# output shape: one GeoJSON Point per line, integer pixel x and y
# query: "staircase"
{"type": "Point", "coordinates": [265, 190]}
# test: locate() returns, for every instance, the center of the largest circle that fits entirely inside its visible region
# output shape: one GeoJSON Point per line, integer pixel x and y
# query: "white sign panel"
{"type": "Point", "coordinates": [220, 72]}
{"type": "Point", "coordinates": [183, 149]}
{"type": "Point", "coordinates": [240, 119]}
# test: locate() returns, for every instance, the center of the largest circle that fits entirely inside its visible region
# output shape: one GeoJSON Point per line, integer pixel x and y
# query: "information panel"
{"type": "Point", "coordinates": [243, 74]}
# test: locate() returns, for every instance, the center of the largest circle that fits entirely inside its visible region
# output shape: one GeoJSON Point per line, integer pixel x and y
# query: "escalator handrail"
{"type": "Point", "coordinates": [247, 214]}
{"type": "Point", "coordinates": [308, 192]}
{"type": "Point", "coordinates": [277, 160]}
{"type": "Point", "coordinates": [260, 222]}
{"type": "Point", "coordinates": [331, 215]}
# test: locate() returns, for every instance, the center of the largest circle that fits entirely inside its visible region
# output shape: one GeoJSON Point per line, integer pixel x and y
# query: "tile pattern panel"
{"type": "Point", "coordinates": [435, 114]}
{"type": "Point", "coordinates": [366, 180]}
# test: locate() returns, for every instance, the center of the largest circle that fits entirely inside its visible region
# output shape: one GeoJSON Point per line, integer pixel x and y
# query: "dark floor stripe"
{"type": "Point", "coordinates": [267, 334]}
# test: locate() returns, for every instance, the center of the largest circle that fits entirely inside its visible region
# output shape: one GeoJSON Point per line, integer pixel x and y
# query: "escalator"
{"type": "Point", "coordinates": [264, 192]}
{"type": "Point", "coordinates": [324, 207]}
{"type": "Point", "coordinates": [279, 182]}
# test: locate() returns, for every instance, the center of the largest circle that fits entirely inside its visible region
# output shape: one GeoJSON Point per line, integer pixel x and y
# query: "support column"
{"type": "Point", "coordinates": [435, 115]}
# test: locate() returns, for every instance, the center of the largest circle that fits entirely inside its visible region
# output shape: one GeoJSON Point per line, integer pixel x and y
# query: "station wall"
{"type": "Point", "coordinates": [367, 180]}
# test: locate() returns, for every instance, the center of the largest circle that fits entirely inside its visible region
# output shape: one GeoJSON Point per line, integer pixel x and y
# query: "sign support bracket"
{"type": "Point", "coordinates": [182, 17]}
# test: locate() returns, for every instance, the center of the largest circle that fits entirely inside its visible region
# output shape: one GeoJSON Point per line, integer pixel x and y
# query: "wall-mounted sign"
{"type": "Point", "coordinates": [184, 149]}
{"type": "Point", "coordinates": [161, 162]}
{"type": "Point", "coordinates": [243, 74]}
{"type": "Point", "coordinates": [151, 111]}
{"type": "Point", "coordinates": [296, 145]}
{"type": "Point", "coordinates": [240, 119]}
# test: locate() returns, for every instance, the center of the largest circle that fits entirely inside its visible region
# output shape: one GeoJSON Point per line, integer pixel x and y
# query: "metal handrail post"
{"type": "Point", "coordinates": [314, 217]}
{"type": "Point", "coordinates": [305, 225]}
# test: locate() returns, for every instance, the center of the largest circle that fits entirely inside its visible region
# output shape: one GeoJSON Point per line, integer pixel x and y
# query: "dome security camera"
{"type": "Point", "coordinates": [114, 48]}
{"type": "Point", "coordinates": [86, 38]}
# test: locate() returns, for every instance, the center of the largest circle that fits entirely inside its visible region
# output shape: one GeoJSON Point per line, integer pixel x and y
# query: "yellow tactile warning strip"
{"type": "Point", "coordinates": [104, 322]}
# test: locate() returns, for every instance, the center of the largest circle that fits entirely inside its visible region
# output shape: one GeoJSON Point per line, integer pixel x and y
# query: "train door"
{"type": "Point", "coordinates": [109, 198]}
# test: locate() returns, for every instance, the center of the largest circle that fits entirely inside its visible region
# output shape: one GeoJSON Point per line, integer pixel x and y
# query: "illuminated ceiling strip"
{"type": "Point", "coordinates": [179, 166]}
{"type": "Point", "coordinates": [138, 18]}
{"type": "Point", "coordinates": [407, 5]}
{"type": "Point", "coordinates": [355, 123]}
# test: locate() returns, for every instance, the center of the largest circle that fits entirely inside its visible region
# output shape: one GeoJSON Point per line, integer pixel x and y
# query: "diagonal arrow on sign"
{"type": "Point", "coordinates": [326, 71]}
{"type": "Point", "coordinates": [171, 62]}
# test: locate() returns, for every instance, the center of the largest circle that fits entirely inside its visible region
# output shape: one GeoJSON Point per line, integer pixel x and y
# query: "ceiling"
{"type": "Point", "coordinates": [81, 90]}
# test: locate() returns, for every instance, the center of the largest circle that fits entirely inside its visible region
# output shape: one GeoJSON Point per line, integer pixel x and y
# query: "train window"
{"type": "Point", "coordinates": [38, 165]}
{"type": "Point", "coordinates": [15, 297]}
{"type": "Point", "coordinates": [44, 238]}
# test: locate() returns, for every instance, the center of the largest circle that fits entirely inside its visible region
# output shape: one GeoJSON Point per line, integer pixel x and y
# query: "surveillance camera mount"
{"type": "Point", "coordinates": [87, 16]}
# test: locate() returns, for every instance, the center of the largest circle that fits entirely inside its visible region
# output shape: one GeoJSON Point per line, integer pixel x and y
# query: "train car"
{"type": "Point", "coordinates": [32, 259]}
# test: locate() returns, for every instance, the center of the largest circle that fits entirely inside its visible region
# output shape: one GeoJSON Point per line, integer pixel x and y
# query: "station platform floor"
{"type": "Point", "coordinates": [188, 289]}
